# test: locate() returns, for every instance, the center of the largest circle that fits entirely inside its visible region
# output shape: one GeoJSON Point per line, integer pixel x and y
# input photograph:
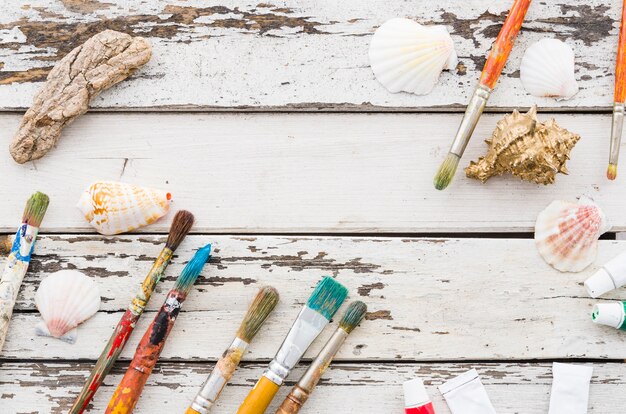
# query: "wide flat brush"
{"type": "Point", "coordinates": [491, 72]}
{"type": "Point", "coordinates": [303, 389]}
{"type": "Point", "coordinates": [147, 354]}
{"type": "Point", "coordinates": [260, 308]}
{"type": "Point", "coordinates": [313, 318]}
{"type": "Point", "coordinates": [19, 258]}
{"type": "Point", "coordinates": [181, 224]}
{"type": "Point", "coordinates": [619, 98]}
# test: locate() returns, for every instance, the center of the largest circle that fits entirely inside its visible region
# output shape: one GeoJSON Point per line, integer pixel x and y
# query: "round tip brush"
{"type": "Point", "coordinates": [263, 304]}
{"type": "Point", "coordinates": [619, 98]}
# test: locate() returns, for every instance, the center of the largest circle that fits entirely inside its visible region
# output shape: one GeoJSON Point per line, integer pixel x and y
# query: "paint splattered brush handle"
{"type": "Point", "coordinates": [122, 332]}
{"type": "Point", "coordinates": [221, 374]}
{"type": "Point", "coordinates": [620, 93]}
{"type": "Point", "coordinates": [13, 274]}
{"type": "Point", "coordinates": [504, 43]}
{"type": "Point", "coordinates": [146, 356]}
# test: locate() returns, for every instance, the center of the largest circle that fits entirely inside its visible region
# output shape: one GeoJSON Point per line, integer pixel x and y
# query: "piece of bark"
{"type": "Point", "coordinates": [102, 61]}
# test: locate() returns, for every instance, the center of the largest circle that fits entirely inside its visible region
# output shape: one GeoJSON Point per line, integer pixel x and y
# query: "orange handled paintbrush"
{"type": "Point", "coordinates": [493, 67]}
{"type": "Point", "coordinates": [619, 98]}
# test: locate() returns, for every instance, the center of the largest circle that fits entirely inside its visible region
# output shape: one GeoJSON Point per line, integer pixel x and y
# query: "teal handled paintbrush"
{"type": "Point", "coordinates": [19, 258]}
{"type": "Point", "coordinates": [313, 318]}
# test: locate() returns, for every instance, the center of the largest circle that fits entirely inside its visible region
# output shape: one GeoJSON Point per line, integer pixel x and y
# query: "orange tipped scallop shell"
{"type": "Point", "coordinates": [566, 234]}
{"type": "Point", "coordinates": [114, 208]}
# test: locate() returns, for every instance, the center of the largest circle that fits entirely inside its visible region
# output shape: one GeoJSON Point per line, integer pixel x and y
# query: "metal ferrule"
{"type": "Point", "coordinates": [319, 365]}
{"type": "Point", "coordinates": [277, 373]}
{"type": "Point", "coordinates": [470, 119]}
{"type": "Point", "coordinates": [616, 131]}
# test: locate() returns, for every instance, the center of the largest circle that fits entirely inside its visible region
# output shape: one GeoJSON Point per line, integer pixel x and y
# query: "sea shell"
{"type": "Point", "coordinates": [566, 234]}
{"type": "Point", "coordinates": [408, 57]}
{"type": "Point", "coordinates": [547, 70]}
{"type": "Point", "coordinates": [65, 299]}
{"type": "Point", "coordinates": [526, 148]}
{"type": "Point", "coordinates": [114, 208]}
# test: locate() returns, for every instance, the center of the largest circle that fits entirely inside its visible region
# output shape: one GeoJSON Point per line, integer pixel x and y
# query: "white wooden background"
{"type": "Point", "coordinates": [265, 120]}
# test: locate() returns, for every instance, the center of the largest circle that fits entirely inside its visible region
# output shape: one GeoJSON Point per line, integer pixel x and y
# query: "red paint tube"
{"type": "Point", "coordinates": [416, 400]}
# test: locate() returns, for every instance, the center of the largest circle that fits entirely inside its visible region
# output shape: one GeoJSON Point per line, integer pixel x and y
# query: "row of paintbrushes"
{"type": "Point", "coordinates": [320, 308]}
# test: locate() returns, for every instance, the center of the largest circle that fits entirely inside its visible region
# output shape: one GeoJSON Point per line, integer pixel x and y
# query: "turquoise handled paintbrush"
{"type": "Point", "coordinates": [19, 258]}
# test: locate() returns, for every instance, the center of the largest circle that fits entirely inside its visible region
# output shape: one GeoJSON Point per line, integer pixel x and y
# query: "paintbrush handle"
{"type": "Point", "coordinates": [13, 274]}
{"type": "Point", "coordinates": [504, 43]}
{"type": "Point", "coordinates": [122, 332]}
{"type": "Point", "coordinates": [620, 64]}
{"type": "Point", "coordinates": [221, 374]}
{"type": "Point", "coordinates": [294, 401]}
{"type": "Point", "coordinates": [146, 356]}
{"type": "Point", "coordinates": [260, 397]}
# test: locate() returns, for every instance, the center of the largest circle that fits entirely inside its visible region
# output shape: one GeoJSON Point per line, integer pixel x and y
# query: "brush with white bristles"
{"type": "Point", "coordinates": [260, 308]}
{"type": "Point", "coordinates": [303, 389]}
{"type": "Point", "coordinates": [19, 258]}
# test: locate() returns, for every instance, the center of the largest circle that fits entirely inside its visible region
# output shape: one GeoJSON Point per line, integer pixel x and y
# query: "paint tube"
{"type": "Point", "coordinates": [416, 400]}
{"type": "Point", "coordinates": [465, 394]}
{"type": "Point", "coordinates": [570, 388]}
{"type": "Point", "coordinates": [610, 314]}
{"type": "Point", "coordinates": [611, 276]}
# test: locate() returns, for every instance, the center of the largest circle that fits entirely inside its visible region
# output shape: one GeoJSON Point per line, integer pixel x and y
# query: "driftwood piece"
{"type": "Point", "coordinates": [102, 61]}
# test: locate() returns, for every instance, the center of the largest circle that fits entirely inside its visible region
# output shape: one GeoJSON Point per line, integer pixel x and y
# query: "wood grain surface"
{"type": "Point", "coordinates": [292, 55]}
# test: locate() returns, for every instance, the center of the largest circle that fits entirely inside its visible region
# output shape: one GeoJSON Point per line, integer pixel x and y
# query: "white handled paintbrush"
{"type": "Point", "coordinates": [313, 318]}
{"type": "Point", "coordinates": [19, 258]}
{"type": "Point", "coordinates": [260, 308]}
{"type": "Point", "coordinates": [303, 389]}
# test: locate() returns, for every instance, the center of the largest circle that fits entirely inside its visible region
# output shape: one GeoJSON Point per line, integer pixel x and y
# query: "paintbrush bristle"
{"type": "Point", "coordinates": [191, 272]}
{"type": "Point", "coordinates": [446, 171]}
{"type": "Point", "coordinates": [181, 224]}
{"type": "Point", "coordinates": [611, 172]}
{"type": "Point", "coordinates": [263, 304]}
{"type": "Point", "coordinates": [353, 316]}
{"type": "Point", "coordinates": [327, 297]}
{"type": "Point", "coordinates": [35, 209]}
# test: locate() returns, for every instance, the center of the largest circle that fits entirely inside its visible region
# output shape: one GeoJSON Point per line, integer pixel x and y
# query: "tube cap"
{"type": "Point", "coordinates": [610, 314]}
{"type": "Point", "coordinates": [600, 283]}
{"type": "Point", "coordinates": [415, 393]}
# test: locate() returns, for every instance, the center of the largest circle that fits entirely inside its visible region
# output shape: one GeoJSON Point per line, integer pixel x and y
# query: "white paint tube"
{"type": "Point", "coordinates": [465, 394]}
{"type": "Point", "coordinates": [570, 388]}
{"type": "Point", "coordinates": [611, 276]}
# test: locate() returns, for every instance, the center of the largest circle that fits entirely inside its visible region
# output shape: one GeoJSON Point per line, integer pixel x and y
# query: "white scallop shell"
{"type": "Point", "coordinates": [408, 57]}
{"type": "Point", "coordinates": [566, 234]}
{"type": "Point", "coordinates": [65, 299]}
{"type": "Point", "coordinates": [547, 70]}
{"type": "Point", "coordinates": [113, 208]}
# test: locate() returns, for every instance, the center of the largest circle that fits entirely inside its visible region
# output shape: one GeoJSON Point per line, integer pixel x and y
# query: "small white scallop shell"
{"type": "Point", "coordinates": [65, 299]}
{"type": "Point", "coordinates": [114, 208]}
{"type": "Point", "coordinates": [408, 57]}
{"type": "Point", "coordinates": [547, 70]}
{"type": "Point", "coordinates": [566, 234]}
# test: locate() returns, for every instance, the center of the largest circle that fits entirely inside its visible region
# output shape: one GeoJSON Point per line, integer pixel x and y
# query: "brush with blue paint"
{"type": "Point", "coordinates": [147, 354]}
{"type": "Point", "coordinates": [313, 318]}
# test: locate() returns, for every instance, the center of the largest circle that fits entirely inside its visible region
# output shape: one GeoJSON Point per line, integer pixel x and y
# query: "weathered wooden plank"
{"type": "Point", "coordinates": [429, 299]}
{"type": "Point", "coordinates": [296, 55]}
{"type": "Point", "coordinates": [279, 173]}
{"type": "Point", "coordinates": [357, 388]}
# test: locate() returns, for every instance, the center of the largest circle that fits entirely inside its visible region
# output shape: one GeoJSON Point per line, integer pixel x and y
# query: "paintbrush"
{"type": "Point", "coordinates": [303, 389]}
{"type": "Point", "coordinates": [147, 354]}
{"type": "Point", "coordinates": [313, 318]}
{"type": "Point", "coordinates": [260, 308]}
{"type": "Point", "coordinates": [491, 71]}
{"type": "Point", "coordinates": [619, 98]}
{"type": "Point", "coordinates": [19, 258]}
{"type": "Point", "coordinates": [181, 224]}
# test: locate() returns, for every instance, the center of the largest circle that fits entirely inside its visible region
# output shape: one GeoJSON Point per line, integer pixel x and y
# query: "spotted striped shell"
{"type": "Point", "coordinates": [566, 234]}
{"type": "Point", "coordinates": [114, 208]}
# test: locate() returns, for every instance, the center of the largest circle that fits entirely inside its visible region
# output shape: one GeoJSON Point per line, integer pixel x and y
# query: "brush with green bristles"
{"type": "Point", "coordinates": [19, 258]}
{"type": "Point", "coordinates": [149, 349]}
{"type": "Point", "coordinates": [263, 304]}
{"type": "Point", "coordinates": [303, 389]}
{"type": "Point", "coordinates": [322, 305]}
